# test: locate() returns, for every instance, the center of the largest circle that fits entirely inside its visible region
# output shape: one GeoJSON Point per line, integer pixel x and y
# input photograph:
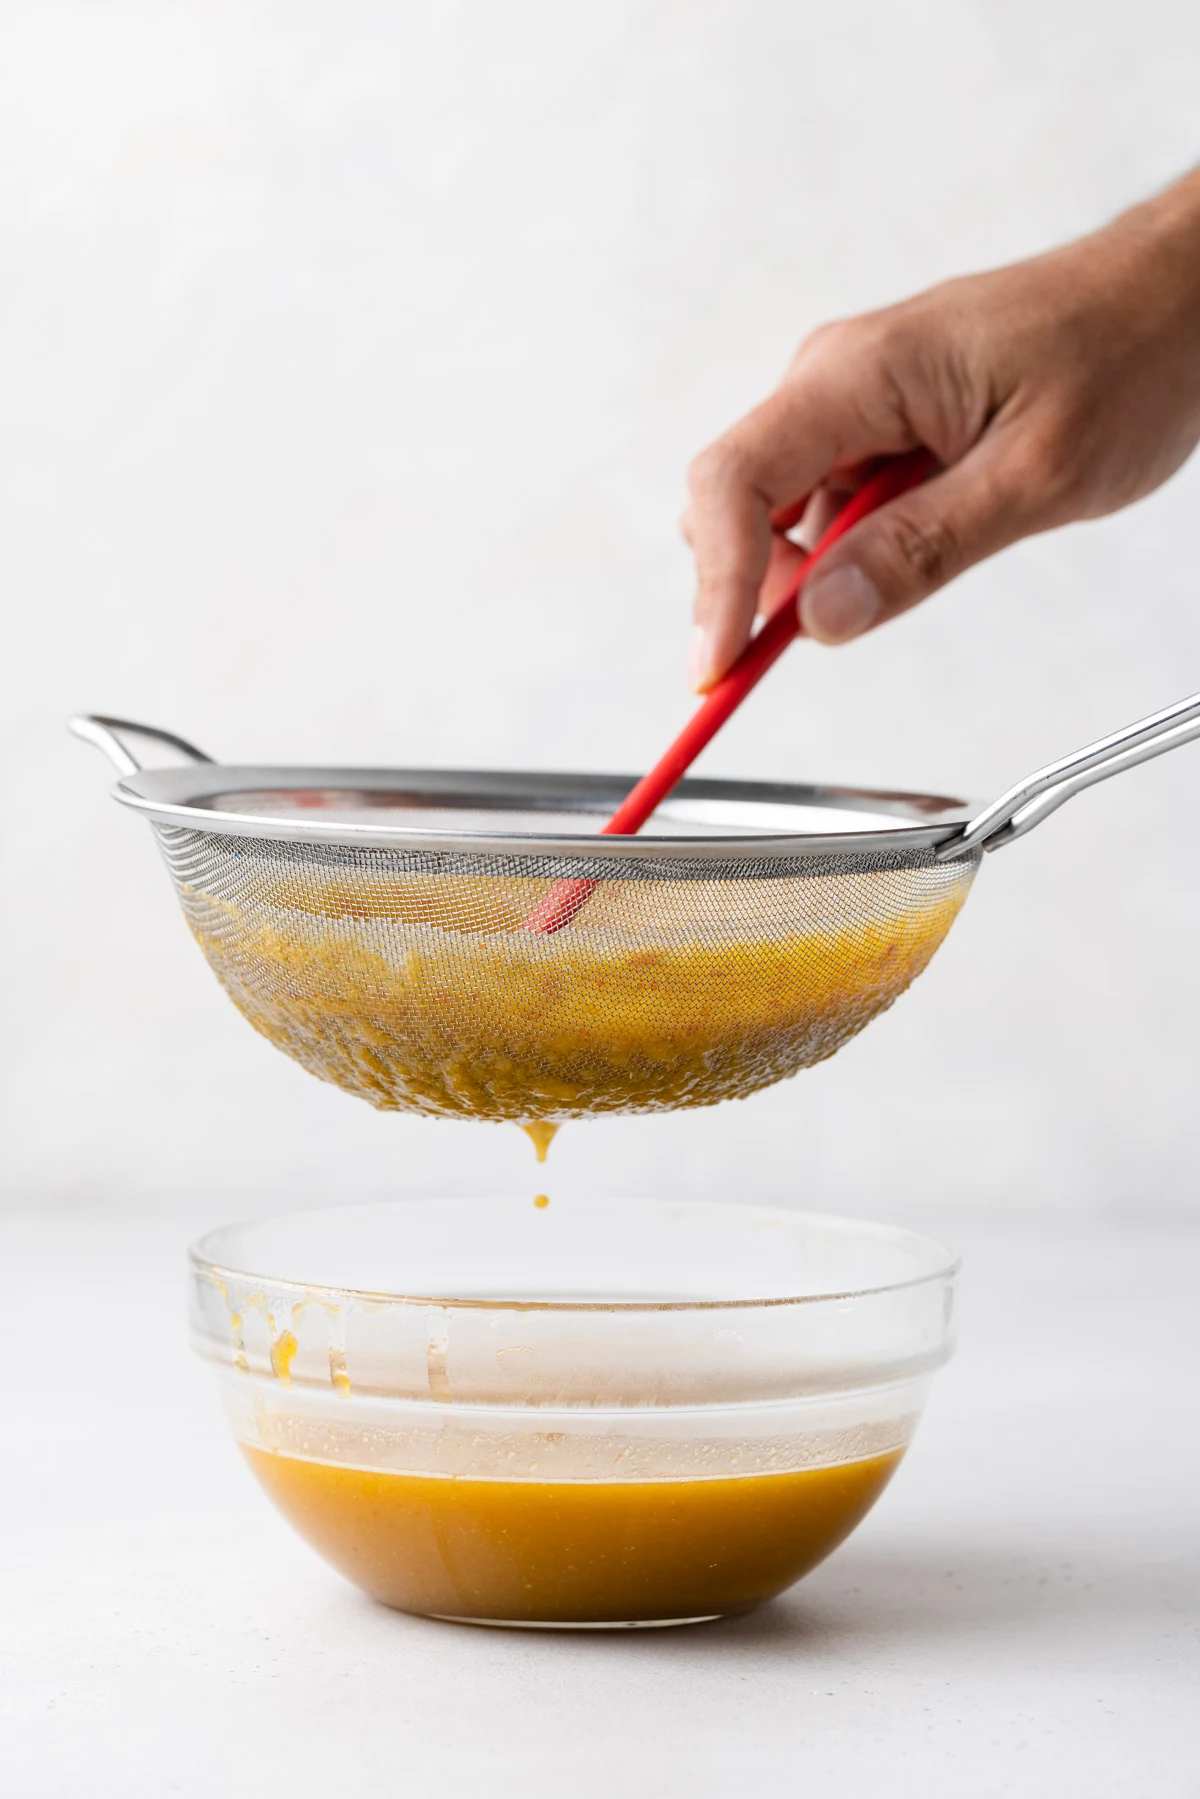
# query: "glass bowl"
{"type": "Point", "coordinates": [585, 1414]}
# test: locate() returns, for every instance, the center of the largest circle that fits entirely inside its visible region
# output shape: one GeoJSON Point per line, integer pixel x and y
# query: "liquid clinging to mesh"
{"type": "Point", "coordinates": [405, 977]}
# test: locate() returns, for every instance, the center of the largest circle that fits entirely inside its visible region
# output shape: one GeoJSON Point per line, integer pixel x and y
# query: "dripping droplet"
{"type": "Point", "coordinates": [283, 1354]}
{"type": "Point", "coordinates": [541, 1134]}
{"type": "Point", "coordinates": [541, 1201]}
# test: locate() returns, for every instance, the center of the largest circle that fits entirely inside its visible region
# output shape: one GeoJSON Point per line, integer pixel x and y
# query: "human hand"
{"type": "Point", "coordinates": [1054, 390]}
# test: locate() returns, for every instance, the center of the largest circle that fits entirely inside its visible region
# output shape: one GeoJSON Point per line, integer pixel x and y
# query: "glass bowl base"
{"type": "Point", "coordinates": [567, 1624]}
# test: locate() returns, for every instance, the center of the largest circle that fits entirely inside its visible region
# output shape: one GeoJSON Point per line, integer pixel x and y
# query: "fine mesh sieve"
{"type": "Point", "coordinates": [372, 923]}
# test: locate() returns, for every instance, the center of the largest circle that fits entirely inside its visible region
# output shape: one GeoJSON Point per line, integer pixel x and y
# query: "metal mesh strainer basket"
{"type": "Point", "coordinates": [371, 923]}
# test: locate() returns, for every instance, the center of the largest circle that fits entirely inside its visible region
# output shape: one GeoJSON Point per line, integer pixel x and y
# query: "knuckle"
{"type": "Point", "coordinates": [712, 468]}
{"type": "Point", "coordinates": [828, 343]}
{"type": "Point", "coordinates": [876, 333]}
{"type": "Point", "coordinates": [861, 363]}
{"type": "Point", "coordinates": [928, 549]}
{"type": "Point", "coordinates": [830, 331]}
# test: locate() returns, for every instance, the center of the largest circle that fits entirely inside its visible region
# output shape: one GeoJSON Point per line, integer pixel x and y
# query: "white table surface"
{"type": "Point", "coordinates": [1018, 1616]}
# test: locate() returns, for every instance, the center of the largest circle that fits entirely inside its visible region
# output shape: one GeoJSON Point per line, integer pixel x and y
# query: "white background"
{"type": "Point", "coordinates": [351, 359]}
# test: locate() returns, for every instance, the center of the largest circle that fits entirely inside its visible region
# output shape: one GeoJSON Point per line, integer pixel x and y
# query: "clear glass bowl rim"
{"type": "Point", "coordinates": [946, 1266]}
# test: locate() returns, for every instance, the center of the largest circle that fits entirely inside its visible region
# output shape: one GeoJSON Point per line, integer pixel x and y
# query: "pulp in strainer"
{"type": "Point", "coordinates": [422, 992]}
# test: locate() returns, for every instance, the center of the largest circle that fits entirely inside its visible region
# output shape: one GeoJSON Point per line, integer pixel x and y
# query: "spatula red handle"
{"type": "Point", "coordinates": [565, 898]}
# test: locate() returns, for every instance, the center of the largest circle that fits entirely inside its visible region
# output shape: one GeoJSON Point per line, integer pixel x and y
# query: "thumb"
{"type": "Point", "coordinates": [916, 544]}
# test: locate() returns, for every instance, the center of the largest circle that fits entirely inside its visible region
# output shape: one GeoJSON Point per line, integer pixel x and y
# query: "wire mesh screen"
{"type": "Point", "coordinates": [408, 978]}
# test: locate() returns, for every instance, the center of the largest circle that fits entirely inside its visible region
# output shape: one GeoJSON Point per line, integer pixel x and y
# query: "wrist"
{"type": "Point", "coordinates": [1160, 244]}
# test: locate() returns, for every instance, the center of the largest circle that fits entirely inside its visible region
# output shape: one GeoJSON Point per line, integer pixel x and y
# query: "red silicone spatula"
{"type": "Point", "coordinates": [565, 898]}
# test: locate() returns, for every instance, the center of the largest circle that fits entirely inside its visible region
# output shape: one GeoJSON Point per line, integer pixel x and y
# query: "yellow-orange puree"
{"type": "Point", "coordinates": [571, 1552]}
{"type": "Point", "coordinates": [426, 994]}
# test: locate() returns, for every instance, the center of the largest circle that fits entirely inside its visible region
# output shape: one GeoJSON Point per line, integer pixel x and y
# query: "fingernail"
{"type": "Point", "coordinates": [700, 659]}
{"type": "Point", "coordinates": [840, 604]}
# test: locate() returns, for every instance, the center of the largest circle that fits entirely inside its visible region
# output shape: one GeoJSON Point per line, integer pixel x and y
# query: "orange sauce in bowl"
{"type": "Point", "coordinates": [571, 1552]}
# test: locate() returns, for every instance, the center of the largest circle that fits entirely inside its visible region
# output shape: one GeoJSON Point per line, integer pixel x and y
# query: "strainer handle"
{"type": "Point", "coordinates": [1041, 793]}
{"type": "Point", "coordinates": [109, 734]}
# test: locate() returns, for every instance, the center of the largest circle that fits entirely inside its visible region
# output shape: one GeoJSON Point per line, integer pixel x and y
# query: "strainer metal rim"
{"type": "Point", "coordinates": [183, 797]}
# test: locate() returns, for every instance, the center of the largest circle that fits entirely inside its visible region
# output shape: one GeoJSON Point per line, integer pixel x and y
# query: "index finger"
{"type": "Point", "coordinates": [812, 424]}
